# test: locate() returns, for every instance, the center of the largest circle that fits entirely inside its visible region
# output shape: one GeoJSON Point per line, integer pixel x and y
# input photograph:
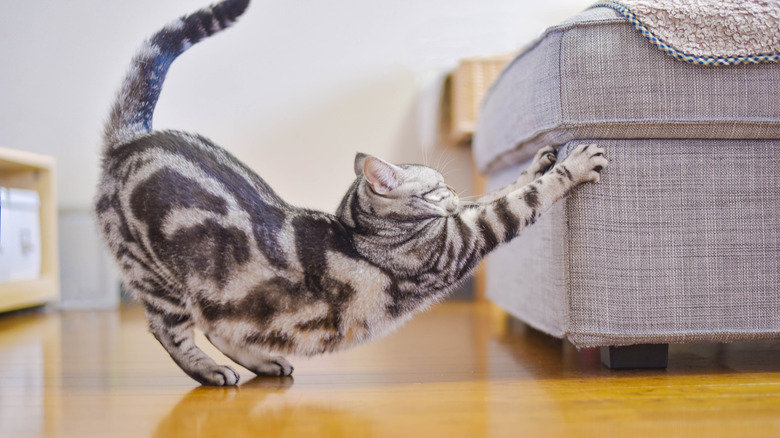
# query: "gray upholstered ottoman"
{"type": "Point", "coordinates": [680, 241]}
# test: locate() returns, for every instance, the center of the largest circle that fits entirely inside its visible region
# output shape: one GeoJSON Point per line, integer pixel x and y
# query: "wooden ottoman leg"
{"type": "Point", "coordinates": [642, 356]}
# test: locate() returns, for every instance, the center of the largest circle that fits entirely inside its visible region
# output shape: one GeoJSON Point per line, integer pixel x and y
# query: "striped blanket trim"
{"type": "Point", "coordinates": [714, 61]}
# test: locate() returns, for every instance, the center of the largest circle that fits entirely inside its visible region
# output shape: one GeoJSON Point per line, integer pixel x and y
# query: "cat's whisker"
{"type": "Point", "coordinates": [449, 161]}
{"type": "Point", "coordinates": [438, 161]}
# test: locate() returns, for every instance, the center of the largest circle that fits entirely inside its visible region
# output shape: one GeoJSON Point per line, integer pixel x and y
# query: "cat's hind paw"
{"type": "Point", "coordinates": [273, 366]}
{"type": "Point", "coordinates": [285, 367]}
{"type": "Point", "coordinates": [217, 375]}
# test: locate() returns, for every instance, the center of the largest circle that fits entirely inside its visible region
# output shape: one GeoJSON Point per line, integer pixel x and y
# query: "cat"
{"type": "Point", "coordinates": [202, 241]}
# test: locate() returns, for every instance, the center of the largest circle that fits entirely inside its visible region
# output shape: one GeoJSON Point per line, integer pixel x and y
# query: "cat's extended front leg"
{"type": "Point", "coordinates": [504, 218]}
{"type": "Point", "coordinates": [542, 162]}
{"type": "Point", "coordinates": [583, 165]}
{"type": "Point", "coordinates": [173, 329]}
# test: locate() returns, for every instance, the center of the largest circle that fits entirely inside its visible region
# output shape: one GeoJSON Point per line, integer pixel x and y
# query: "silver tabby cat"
{"type": "Point", "coordinates": [204, 242]}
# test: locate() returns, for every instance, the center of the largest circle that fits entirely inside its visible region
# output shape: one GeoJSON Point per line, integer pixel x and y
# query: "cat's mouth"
{"type": "Point", "coordinates": [453, 207]}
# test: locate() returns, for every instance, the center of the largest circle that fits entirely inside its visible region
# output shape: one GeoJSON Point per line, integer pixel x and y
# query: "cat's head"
{"type": "Point", "coordinates": [405, 191]}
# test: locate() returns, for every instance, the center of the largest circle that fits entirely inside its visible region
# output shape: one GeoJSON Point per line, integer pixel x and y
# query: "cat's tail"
{"type": "Point", "coordinates": [132, 112]}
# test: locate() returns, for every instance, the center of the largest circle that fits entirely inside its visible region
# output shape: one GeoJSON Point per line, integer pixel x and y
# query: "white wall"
{"type": "Point", "coordinates": [295, 89]}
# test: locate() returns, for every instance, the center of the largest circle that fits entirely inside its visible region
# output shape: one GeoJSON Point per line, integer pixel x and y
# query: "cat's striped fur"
{"type": "Point", "coordinates": [205, 242]}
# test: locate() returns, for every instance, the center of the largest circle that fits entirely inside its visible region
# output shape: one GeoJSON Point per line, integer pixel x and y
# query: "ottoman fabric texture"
{"type": "Point", "coordinates": [594, 76]}
{"type": "Point", "coordinates": [681, 239]}
{"type": "Point", "coordinates": [679, 242]}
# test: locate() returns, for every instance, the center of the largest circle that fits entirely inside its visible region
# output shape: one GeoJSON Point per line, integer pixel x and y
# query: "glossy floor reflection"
{"type": "Point", "coordinates": [457, 370]}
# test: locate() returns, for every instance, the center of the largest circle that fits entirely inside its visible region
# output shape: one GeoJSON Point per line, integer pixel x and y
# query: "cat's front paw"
{"type": "Point", "coordinates": [544, 159]}
{"type": "Point", "coordinates": [218, 375]}
{"type": "Point", "coordinates": [584, 164]}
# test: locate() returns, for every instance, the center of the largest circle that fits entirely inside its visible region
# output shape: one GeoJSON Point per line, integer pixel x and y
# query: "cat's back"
{"type": "Point", "coordinates": [173, 160]}
{"type": "Point", "coordinates": [187, 202]}
{"type": "Point", "coordinates": [186, 154]}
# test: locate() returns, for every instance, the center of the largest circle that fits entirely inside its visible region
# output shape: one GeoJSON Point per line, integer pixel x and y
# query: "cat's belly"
{"type": "Point", "coordinates": [346, 307]}
{"type": "Point", "coordinates": [294, 334]}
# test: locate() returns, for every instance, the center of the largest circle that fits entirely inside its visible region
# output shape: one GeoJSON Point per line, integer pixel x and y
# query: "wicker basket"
{"type": "Point", "coordinates": [469, 83]}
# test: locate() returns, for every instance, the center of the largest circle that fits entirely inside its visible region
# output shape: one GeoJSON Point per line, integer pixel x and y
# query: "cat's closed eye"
{"type": "Point", "coordinates": [439, 194]}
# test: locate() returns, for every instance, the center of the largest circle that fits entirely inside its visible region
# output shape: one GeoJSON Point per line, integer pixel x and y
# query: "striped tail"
{"type": "Point", "coordinates": [132, 112]}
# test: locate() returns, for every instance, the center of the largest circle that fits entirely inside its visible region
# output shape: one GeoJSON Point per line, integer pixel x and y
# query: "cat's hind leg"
{"type": "Point", "coordinates": [173, 329]}
{"type": "Point", "coordinates": [252, 357]}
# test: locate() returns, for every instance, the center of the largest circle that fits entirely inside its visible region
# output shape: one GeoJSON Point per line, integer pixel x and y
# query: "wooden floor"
{"type": "Point", "coordinates": [458, 370]}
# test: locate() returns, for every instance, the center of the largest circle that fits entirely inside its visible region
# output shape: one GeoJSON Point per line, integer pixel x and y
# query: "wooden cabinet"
{"type": "Point", "coordinates": [25, 170]}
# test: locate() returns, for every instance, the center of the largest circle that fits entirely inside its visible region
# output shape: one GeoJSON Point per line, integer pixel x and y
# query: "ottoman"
{"type": "Point", "coordinates": [680, 241]}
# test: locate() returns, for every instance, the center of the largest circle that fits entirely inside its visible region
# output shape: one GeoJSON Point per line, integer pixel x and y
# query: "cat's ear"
{"type": "Point", "coordinates": [360, 158]}
{"type": "Point", "coordinates": [382, 176]}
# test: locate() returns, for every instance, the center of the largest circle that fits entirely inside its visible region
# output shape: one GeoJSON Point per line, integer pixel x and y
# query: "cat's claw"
{"type": "Point", "coordinates": [543, 161]}
{"type": "Point", "coordinates": [585, 163]}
